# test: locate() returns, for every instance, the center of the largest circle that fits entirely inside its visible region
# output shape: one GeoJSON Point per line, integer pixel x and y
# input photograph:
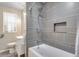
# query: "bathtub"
{"type": "Point", "coordinates": [45, 50]}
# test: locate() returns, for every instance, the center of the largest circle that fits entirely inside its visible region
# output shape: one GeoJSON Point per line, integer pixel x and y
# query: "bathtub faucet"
{"type": "Point", "coordinates": [38, 43]}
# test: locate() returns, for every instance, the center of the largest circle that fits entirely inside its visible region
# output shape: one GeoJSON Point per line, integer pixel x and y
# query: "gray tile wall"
{"type": "Point", "coordinates": [56, 13]}
{"type": "Point", "coordinates": [33, 29]}
{"type": "Point", "coordinates": [53, 12]}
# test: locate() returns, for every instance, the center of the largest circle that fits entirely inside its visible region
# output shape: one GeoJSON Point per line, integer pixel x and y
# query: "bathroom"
{"type": "Point", "coordinates": [41, 29]}
{"type": "Point", "coordinates": [12, 28]}
{"type": "Point", "coordinates": [52, 26]}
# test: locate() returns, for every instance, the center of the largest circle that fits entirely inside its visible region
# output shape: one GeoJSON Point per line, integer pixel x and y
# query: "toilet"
{"type": "Point", "coordinates": [20, 49]}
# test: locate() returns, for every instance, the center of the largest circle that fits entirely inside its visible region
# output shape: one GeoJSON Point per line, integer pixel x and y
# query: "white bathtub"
{"type": "Point", "coordinates": [45, 50]}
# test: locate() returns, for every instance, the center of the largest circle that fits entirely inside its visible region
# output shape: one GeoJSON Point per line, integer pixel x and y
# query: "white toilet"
{"type": "Point", "coordinates": [20, 49]}
{"type": "Point", "coordinates": [17, 47]}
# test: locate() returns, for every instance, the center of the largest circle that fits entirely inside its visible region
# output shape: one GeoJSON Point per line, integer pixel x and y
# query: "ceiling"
{"type": "Point", "coordinates": [16, 5]}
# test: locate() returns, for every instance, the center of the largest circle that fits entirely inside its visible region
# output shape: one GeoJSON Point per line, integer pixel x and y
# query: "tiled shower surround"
{"type": "Point", "coordinates": [41, 21]}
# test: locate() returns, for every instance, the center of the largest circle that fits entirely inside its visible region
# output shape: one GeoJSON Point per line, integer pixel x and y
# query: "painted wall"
{"type": "Point", "coordinates": [9, 37]}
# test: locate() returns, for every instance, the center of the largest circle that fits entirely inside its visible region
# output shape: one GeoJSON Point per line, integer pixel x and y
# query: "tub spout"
{"type": "Point", "coordinates": [38, 43]}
